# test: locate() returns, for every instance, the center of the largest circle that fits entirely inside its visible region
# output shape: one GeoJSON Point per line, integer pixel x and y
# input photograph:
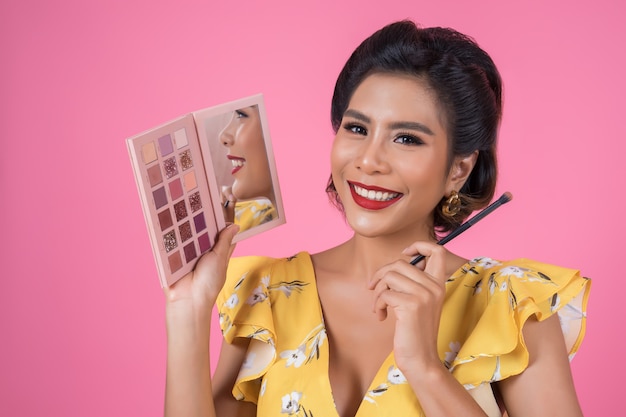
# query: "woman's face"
{"type": "Point", "coordinates": [243, 137]}
{"type": "Point", "coordinates": [389, 158]}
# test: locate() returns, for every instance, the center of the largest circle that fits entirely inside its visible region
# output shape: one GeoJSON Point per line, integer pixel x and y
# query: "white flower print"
{"type": "Point", "coordinates": [232, 301]}
{"type": "Point", "coordinates": [258, 295]}
{"type": "Point", "coordinates": [452, 353]}
{"type": "Point", "coordinates": [395, 376]}
{"type": "Point", "coordinates": [291, 403]}
{"type": "Point", "coordinates": [486, 262]}
{"type": "Point", "coordinates": [512, 270]}
{"type": "Point", "coordinates": [504, 286]}
{"type": "Point", "coordinates": [263, 386]}
{"type": "Point", "coordinates": [294, 357]}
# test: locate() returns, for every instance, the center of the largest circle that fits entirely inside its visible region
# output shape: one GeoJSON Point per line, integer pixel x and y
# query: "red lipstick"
{"type": "Point", "coordinates": [237, 163]}
{"type": "Point", "coordinates": [373, 204]}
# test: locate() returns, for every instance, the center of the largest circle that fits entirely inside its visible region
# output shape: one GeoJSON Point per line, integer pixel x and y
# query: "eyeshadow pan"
{"type": "Point", "coordinates": [199, 222]}
{"type": "Point", "coordinates": [175, 261]}
{"type": "Point", "coordinates": [176, 189]}
{"type": "Point", "coordinates": [148, 151]}
{"type": "Point", "coordinates": [185, 231]}
{"type": "Point", "coordinates": [180, 210]}
{"type": "Point", "coordinates": [165, 219]}
{"type": "Point", "coordinates": [204, 243]}
{"type": "Point", "coordinates": [154, 175]}
{"type": "Point", "coordinates": [169, 241]}
{"type": "Point", "coordinates": [190, 180]}
{"type": "Point", "coordinates": [165, 144]}
{"type": "Point", "coordinates": [195, 202]}
{"type": "Point", "coordinates": [170, 167]}
{"type": "Point", "coordinates": [180, 137]}
{"type": "Point", "coordinates": [160, 198]}
{"type": "Point", "coordinates": [190, 252]}
{"type": "Point", "coordinates": [185, 160]}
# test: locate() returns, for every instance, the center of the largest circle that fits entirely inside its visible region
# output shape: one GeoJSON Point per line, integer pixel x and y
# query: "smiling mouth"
{"type": "Point", "coordinates": [237, 163]}
{"type": "Point", "coordinates": [371, 197]}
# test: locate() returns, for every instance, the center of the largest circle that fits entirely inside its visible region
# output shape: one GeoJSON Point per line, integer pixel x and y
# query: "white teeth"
{"type": "Point", "coordinates": [236, 162]}
{"type": "Point", "coordinates": [374, 195]}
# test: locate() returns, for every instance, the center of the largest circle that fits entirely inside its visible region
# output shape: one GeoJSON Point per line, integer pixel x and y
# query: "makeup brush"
{"type": "Point", "coordinates": [504, 198]}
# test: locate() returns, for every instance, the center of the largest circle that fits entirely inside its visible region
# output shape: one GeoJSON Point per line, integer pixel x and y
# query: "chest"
{"type": "Point", "coordinates": [358, 342]}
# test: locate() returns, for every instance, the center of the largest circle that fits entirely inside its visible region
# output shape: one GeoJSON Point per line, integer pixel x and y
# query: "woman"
{"type": "Point", "coordinates": [358, 330]}
{"type": "Point", "coordinates": [250, 201]}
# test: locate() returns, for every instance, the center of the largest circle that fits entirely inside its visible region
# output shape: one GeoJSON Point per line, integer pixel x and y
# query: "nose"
{"type": "Point", "coordinates": [372, 158]}
{"type": "Point", "coordinates": [227, 135]}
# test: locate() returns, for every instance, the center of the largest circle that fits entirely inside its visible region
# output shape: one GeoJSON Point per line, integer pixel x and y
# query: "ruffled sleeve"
{"type": "Point", "coordinates": [487, 305]}
{"type": "Point", "coordinates": [245, 312]}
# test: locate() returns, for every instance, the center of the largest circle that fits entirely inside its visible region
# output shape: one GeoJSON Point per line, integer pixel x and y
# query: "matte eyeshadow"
{"type": "Point", "coordinates": [165, 143]}
{"type": "Point", "coordinates": [165, 219]}
{"type": "Point", "coordinates": [195, 202]}
{"type": "Point", "coordinates": [169, 241]}
{"type": "Point", "coordinates": [175, 261]}
{"type": "Point", "coordinates": [199, 222]}
{"type": "Point", "coordinates": [204, 243]}
{"type": "Point", "coordinates": [190, 181]}
{"type": "Point", "coordinates": [154, 175]}
{"type": "Point", "coordinates": [181, 210]}
{"type": "Point", "coordinates": [190, 252]}
{"type": "Point", "coordinates": [170, 167]}
{"type": "Point", "coordinates": [185, 160]}
{"type": "Point", "coordinates": [148, 152]}
{"type": "Point", "coordinates": [180, 137]}
{"type": "Point", "coordinates": [176, 189]}
{"type": "Point", "coordinates": [185, 231]}
{"type": "Point", "coordinates": [160, 198]}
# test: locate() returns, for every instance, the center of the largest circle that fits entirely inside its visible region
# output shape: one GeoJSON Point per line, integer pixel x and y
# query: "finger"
{"type": "Point", "coordinates": [224, 245]}
{"type": "Point", "coordinates": [435, 262]}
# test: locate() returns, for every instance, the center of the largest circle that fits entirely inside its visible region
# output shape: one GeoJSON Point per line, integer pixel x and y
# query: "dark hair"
{"type": "Point", "coordinates": [468, 88]}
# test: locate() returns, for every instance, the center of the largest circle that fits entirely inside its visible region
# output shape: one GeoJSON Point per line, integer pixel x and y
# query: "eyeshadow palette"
{"type": "Point", "coordinates": [181, 169]}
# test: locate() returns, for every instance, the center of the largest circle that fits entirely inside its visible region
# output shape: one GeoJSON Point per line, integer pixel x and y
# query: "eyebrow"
{"type": "Point", "coordinates": [395, 125]}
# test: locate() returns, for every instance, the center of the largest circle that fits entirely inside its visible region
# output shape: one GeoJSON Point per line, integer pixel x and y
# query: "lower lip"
{"type": "Point", "coordinates": [372, 204]}
{"type": "Point", "coordinates": [235, 169]}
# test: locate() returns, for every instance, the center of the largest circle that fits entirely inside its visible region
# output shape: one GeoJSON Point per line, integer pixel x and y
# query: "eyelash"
{"type": "Point", "coordinates": [241, 114]}
{"type": "Point", "coordinates": [407, 139]}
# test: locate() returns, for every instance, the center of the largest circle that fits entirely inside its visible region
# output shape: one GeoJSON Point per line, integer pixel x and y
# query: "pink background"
{"type": "Point", "coordinates": [81, 310]}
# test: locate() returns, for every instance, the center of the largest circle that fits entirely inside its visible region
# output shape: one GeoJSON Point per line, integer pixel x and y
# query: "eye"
{"type": "Point", "coordinates": [240, 114]}
{"type": "Point", "coordinates": [355, 128]}
{"type": "Point", "coordinates": [408, 139]}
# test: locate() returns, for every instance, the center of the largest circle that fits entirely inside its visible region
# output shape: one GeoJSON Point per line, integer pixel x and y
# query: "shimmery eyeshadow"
{"type": "Point", "coordinates": [185, 160]}
{"type": "Point", "coordinates": [165, 144]}
{"type": "Point", "coordinates": [199, 222]}
{"type": "Point", "coordinates": [165, 219]}
{"type": "Point", "coordinates": [185, 231]}
{"type": "Point", "coordinates": [204, 243]}
{"type": "Point", "coordinates": [169, 241]}
{"type": "Point", "coordinates": [180, 137]}
{"type": "Point", "coordinates": [154, 175]}
{"type": "Point", "coordinates": [175, 261]}
{"type": "Point", "coordinates": [180, 210]}
{"type": "Point", "coordinates": [160, 198]}
{"type": "Point", "coordinates": [149, 152]}
{"type": "Point", "coordinates": [190, 252]}
{"type": "Point", "coordinates": [190, 181]}
{"type": "Point", "coordinates": [176, 189]}
{"type": "Point", "coordinates": [170, 167]}
{"type": "Point", "coordinates": [195, 202]}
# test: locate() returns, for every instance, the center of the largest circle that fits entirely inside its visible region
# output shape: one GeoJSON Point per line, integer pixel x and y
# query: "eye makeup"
{"type": "Point", "coordinates": [170, 175]}
{"type": "Point", "coordinates": [178, 186]}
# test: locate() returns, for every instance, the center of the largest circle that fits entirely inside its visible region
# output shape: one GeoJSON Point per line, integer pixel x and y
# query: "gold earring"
{"type": "Point", "coordinates": [452, 206]}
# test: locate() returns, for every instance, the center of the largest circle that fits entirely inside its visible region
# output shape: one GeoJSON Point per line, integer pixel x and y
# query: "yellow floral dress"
{"type": "Point", "coordinates": [250, 213]}
{"type": "Point", "coordinates": [274, 302]}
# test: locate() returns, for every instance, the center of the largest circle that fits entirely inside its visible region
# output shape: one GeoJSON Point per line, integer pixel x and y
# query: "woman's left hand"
{"type": "Point", "coordinates": [415, 294]}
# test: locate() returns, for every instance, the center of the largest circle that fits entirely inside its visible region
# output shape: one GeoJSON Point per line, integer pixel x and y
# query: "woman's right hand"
{"type": "Point", "coordinates": [200, 287]}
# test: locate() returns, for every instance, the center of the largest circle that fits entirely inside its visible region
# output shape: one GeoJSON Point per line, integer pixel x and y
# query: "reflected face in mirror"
{"type": "Point", "coordinates": [243, 136]}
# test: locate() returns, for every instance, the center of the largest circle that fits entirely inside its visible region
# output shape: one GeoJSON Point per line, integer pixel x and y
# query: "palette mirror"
{"type": "Point", "coordinates": [244, 185]}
